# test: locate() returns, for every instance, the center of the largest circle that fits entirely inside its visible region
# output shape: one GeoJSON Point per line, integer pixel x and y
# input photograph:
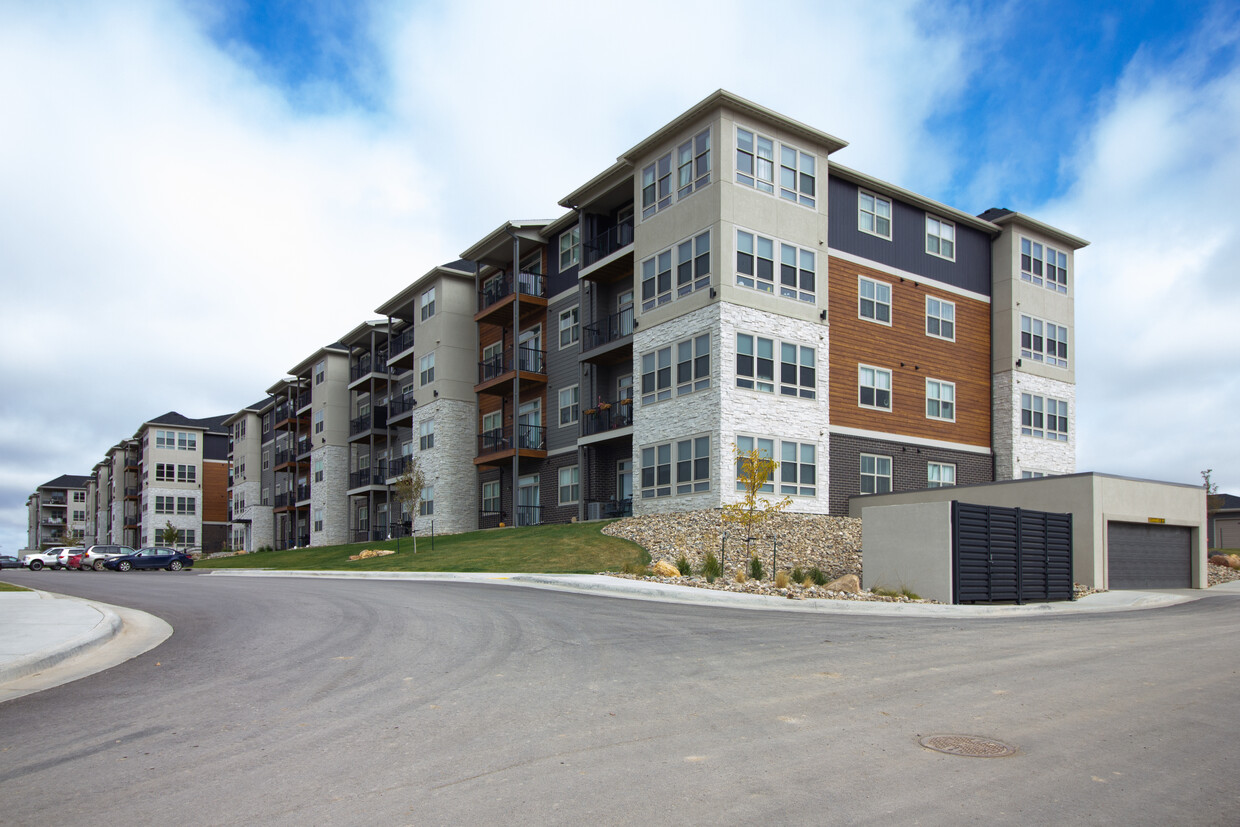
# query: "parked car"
{"type": "Point", "coordinates": [38, 559]}
{"type": "Point", "coordinates": [62, 559]}
{"type": "Point", "coordinates": [74, 561]}
{"type": "Point", "coordinates": [95, 556]}
{"type": "Point", "coordinates": [8, 561]}
{"type": "Point", "coordinates": [154, 557]}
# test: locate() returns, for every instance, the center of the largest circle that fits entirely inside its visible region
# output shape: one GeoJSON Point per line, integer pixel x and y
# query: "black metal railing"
{"type": "Point", "coordinates": [607, 242]}
{"type": "Point", "coordinates": [402, 404]}
{"type": "Point", "coordinates": [529, 360]}
{"type": "Point", "coordinates": [529, 438]}
{"type": "Point", "coordinates": [131, 492]}
{"type": "Point", "coordinates": [499, 288]}
{"type": "Point", "coordinates": [396, 466]}
{"type": "Point", "coordinates": [303, 541]}
{"type": "Point", "coordinates": [529, 514]}
{"type": "Point", "coordinates": [284, 455]}
{"type": "Point", "coordinates": [607, 509]}
{"type": "Point", "coordinates": [402, 341]}
{"type": "Point", "coordinates": [359, 369]}
{"type": "Point", "coordinates": [368, 476]}
{"type": "Point", "coordinates": [616, 326]}
{"type": "Point", "coordinates": [303, 446]}
{"type": "Point", "coordinates": [303, 400]}
{"type": "Point", "coordinates": [607, 417]}
{"type": "Point", "coordinates": [359, 424]}
{"type": "Point", "coordinates": [283, 411]}
{"type": "Point", "coordinates": [303, 492]}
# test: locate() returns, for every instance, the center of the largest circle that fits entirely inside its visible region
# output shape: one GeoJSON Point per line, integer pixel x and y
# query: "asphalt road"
{"type": "Point", "coordinates": [358, 702]}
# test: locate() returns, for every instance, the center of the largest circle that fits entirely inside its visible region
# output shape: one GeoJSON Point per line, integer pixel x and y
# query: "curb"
{"type": "Point", "coordinates": [108, 627]}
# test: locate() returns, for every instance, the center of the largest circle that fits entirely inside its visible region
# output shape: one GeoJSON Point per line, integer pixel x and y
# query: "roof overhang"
{"type": "Point", "coordinates": [908, 196]}
{"type": "Point", "coordinates": [392, 306]}
{"type": "Point", "coordinates": [495, 248]}
{"type": "Point", "coordinates": [1055, 233]}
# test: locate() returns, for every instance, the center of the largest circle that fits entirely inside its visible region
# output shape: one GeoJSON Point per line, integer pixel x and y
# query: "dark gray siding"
{"type": "Point", "coordinates": [908, 466]}
{"type": "Point", "coordinates": [563, 370]}
{"type": "Point", "coordinates": [907, 248]}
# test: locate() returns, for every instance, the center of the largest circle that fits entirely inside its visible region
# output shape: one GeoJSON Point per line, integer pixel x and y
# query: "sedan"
{"type": "Point", "coordinates": [8, 561]}
{"type": "Point", "coordinates": [151, 558]}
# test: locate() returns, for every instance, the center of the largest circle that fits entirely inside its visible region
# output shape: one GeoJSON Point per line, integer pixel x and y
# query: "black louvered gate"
{"type": "Point", "coordinates": [1010, 555]}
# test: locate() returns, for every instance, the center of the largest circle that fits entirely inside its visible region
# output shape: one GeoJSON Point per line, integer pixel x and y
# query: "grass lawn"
{"type": "Point", "coordinates": [575, 548]}
{"type": "Point", "coordinates": [9, 587]}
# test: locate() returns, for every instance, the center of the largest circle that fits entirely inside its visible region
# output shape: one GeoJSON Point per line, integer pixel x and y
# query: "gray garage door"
{"type": "Point", "coordinates": [1149, 556]}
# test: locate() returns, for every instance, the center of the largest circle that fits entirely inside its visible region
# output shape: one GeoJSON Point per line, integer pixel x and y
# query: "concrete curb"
{"type": "Point", "coordinates": [604, 585]}
{"type": "Point", "coordinates": [109, 625]}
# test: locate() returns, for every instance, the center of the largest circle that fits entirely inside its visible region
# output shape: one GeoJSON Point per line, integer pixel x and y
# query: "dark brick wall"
{"type": "Point", "coordinates": [908, 466]}
{"type": "Point", "coordinates": [599, 475]}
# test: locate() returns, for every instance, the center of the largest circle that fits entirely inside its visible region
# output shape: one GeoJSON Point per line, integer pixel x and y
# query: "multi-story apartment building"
{"type": "Point", "coordinates": [249, 487]}
{"type": "Point", "coordinates": [182, 482]}
{"type": "Point", "coordinates": [56, 511]}
{"type": "Point", "coordinates": [372, 444]}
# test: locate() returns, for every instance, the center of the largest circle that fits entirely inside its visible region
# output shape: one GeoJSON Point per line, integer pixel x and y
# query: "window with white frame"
{"type": "Point", "coordinates": [755, 363]}
{"type": "Point", "coordinates": [656, 479]}
{"type": "Point", "coordinates": [570, 327]}
{"type": "Point", "coordinates": [798, 469]}
{"type": "Point", "coordinates": [189, 505]}
{"type": "Point", "coordinates": [319, 421]}
{"type": "Point", "coordinates": [797, 272]}
{"type": "Point", "coordinates": [940, 474]}
{"type": "Point", "coordinates": [873, 300]}
{"type": "Point", "coordinates": [189, 441]}
{"type": "Point", "coordinates": [755, 160]}
{"type": "Point", "coordinates": [165, 472]}
{"type": "Point", "coordinates": [264, 497]}
{"type": "Point", "coordinates": [874, 387]}
{"type": "Point", "coordinates": [266, 423]}
{"type": "Point", "coordinates": [657, 280]}
{"type": "Point", "coordinates": [693, 264]}
{"type": "Point", "coordinates": [319, 467]}
{"type": "Point", "coordinates": [940, 318]}
{"type": "Point", "coordinates": [570, 485]}
{"type": "Point", "coordinates": [875, 474]}
{"type": "Point", "coordinates": [427, 304]}
{"type": "Point", "coordinates": [797, 372]}
{"type": "Point", "coordinates": [1033, 475]}
{"type": "Point", "coordinates": [765, 446]}
{"type": "Point", "coordinates": [940, 238]}
{"type": "Point", "coordinates": [187, 473]}
{"type": "Point", "coordinates": [79, 496]}
{"type": "Point", "coordinates": [426, 503]}
{"type": "Point", "coordinates": [532, 263]}
{"type": "Point", "coordinates": [185, 537]}
{"type": "Point", "coordinates": [797, 176]}
{"type": "Point", "coordinates": [682, 466]}
{"type": "Point", "coordinates": [1043, 341]}
{"type": "Point", "coordinates": [1044, 417]}
{"type": "Point", "coordinates": [1043, 265]}
{"type": "Point", "coordinates": [492, 422]}
{"type": "Point", "coordinates": [164, 505]}
{"type": "Point", "coordinates": [692, 369]}
{"type": "Point", "coordinates": [693, 164]}
{"type": "Point", "coordinates": [318, 519]}
{"type": "Point", "coordinates": [165, 439]}
{"type": "Point", "coordinates": [426, 369]}
{"type": "Point", "coordinates": [320, 371]}
{"type": "Point", "coordinates": [570, 247]}
{"type": "Point", "coordinates": [940, 400]}
{"type": "Point", "coordinates": [490, 497]}
{"type": "Point", "coordinates": [755, 261]}
{"type": "Point", "coordinates": [266, 458]}
{"type": "Point", "coordinates": [874, 214]}
{"type": "Point", "coordinates": [570, 405]}
{"type": "Point", "coordinates": [426, 435]}
{"type": "Point", "coordinates": [657, 186]}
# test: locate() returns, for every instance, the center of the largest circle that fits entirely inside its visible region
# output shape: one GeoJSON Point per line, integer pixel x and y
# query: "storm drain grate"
{"type": "Point", "coordinates": [971, 746]}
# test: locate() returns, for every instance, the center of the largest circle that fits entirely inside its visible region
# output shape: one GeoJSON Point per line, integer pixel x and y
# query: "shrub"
{"type": "Point", "coordinates": [798, 576]}
{"type": "Point", "coordinates": [781, 579]}
{"type": "Point", "coordinates": [817, 576]}
{"type": "Point", "coordinates": [636, 568]}
{"type": "Point", "coordinates": [682, 563]}
{"type": "Point", "coordinates": [711, 569]}
{"type": "Point", "coordinates": [807, 581]}
{"type": "Point", "coordinates": [755, 568]}
{"type": "Point", "coordinates": [740, 576]}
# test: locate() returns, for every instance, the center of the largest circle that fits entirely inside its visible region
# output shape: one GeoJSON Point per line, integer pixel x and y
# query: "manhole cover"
{"type": "Point", "coordinates": [971, 746]}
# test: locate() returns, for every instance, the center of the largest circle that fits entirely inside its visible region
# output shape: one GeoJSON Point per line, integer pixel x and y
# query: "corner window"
{"type": "Point", "coordinates": [940, 319]}
{"type": "Point", "coordinates": [940, 400]}
{"type": "Point", "coordinates": [656, 480]}
{"type": "Point", "coordinates": [755, 363]}
{"type": "Point", "coordinates": [755, 160]}
{"type": "Point", "coordinates": [875, 474]}
{"type": "Point", "coordinates": [319, 423]}
{"type": "Point", "coordinates": [570, 247]}
{"type": "Point", "coordinates": [693, 264]}
{"type": "Point", "coordinates": [657, 186]}
{"type": "Point", "coordinates": [873, 300]}
{"type": "Point", "coordinates": [570, 327]}
{"type": "Point", "coordinates": [1043, 266]}
{"type": "Point", "coordinates": [657, 280]}
{"type": "Point", "coordinates": [570, 486]}
{"type": "Point", "coordinates": [1043, 341]}
{"type": "Point", "coordinates": [693, 465]}
{"type": "Point", "coordinates": [873, 214]}
{"type": "Point", "coordinates": [570, 405]}
{"type": "Point", "coordinates": [428, 304]}
{"type": "Point", "coordinates": [940, 238]}
{"type": "Point", "coordinates": [692, 369]}
{"type": "Point", "coordinates": [796, 176]}
{"type": "Point", "coordinates": [940, 474]}
{"type": "Point", "coordinates": [874, 388]}
{"type": "Point", "coordinates": [693, 164]}
{"type": "Point", "coordinates": [755, 266]}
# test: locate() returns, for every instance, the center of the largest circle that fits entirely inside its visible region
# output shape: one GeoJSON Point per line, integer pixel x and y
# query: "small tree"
{"type": "Point", "coordinates": [1213, 500]}
{"type": "Point", "coordinates": [753, 470]}
{"type": "Point", "coordinates": [409, 487]}
{"type": "Point", "coordinates": [169, 534]}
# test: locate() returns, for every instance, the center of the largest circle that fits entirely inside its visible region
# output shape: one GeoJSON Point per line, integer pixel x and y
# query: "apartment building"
{"type": "Point", "coordinates": [250, 512]}
{"type": "Point", "coordinates": [56, 511]}
{"type": "Point", "coordinates": [182, 482]}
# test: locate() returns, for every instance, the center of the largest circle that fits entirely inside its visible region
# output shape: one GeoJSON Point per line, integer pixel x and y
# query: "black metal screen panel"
{"type": "Point", "coordinates": [1010, 555]}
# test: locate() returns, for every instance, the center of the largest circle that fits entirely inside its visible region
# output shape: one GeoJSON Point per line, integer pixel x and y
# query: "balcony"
{"type": "Point", "coordinates": [367, 476]}
{"type": "Point", "coordinates": [601, 262]}
{"type": "Point", "coordinates": [376, 419]}
{"type": "Point", "coordinates": [303, 493]}
{"type": "Point", "coordinates": [495, 374]}
{"type": "Point", "coordinates": [402, 341]}
{"type": "Point", "coordinates": [131, 521]}
{"type": "Point", "coordinates": [284, 411]}
{"type": "Point", "coordinates": [366, 366]}
{"type": "Point", "coordinates": [529, 515]}
{"type": "Point", "coordinates": [304, 446]}
{"type": "Point", "coordinates": [282, 500]}
{"type": "Point", "coordinates": [285, 456]}
{"type": "Point", "coordinates": [396, 466]}
{"type": "Point", "coordinates": [400, 406]}
{"type": "Point", "coordinates": [54, 500]}
{"type": "Point", "coordinates": [609, 340]}
{"type": "Point", "coordinates": [497, 445]}
{"type": "Point", "coordinates": [303, 401]}
{"type": "Point", "coordinates": [609, 416]}
{"type": "Point", "coordinates": [131, 492]}
{"type": "Point", "coordinates": [608, 509]}
{"type": "Point", "coordinates": [496, 297]}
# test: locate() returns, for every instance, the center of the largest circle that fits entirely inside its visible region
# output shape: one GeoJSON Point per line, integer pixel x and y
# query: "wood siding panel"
{"type": "Point", "coordinates": [856, 341]}
{"type": "Point", "coordinates": [214, 492]}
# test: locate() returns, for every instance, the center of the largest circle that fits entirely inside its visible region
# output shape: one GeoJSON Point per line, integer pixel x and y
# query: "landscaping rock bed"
{"type": "Point", "coordinates": [1220, 574]}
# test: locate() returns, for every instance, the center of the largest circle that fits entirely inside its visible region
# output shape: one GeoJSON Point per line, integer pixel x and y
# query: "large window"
{"type": "Point", "coordinates": [657, 471]}
{"type": "Point", "coordinates": [755, 366]}
{"type": "Point", "coordinates": [1043, 417]}
{"type": "Point", "coordinates": [687, 474]}
{"type": "Point", "coordinates": [426, 435]}
{"type": "Point", "coordinates": [570, 405]}
{"type": "Point", "coordinates": [755, 167]}
{"type": "Point", "coordinates": [570, 485]}
{"type": "Point", "coordinates": [427, 304]}
{"type": "Point", "coordinates": [657, 280]}
{"type": "Point", "coordinates": [940, 474]}
{"type": "Point", "coordinates": [874, 387]}
{"type": "Point", "coordinates": [797, 182]}
{"type": "Point", "coordinates": [570, 327]}
{"type": "Point", "coordinates": [692, 358]}
{"type": "Point", "coordinates": [189, 505]}
{"type": "Point", "coordinates": [319, 466]}
{"type": "Point", "coordinates": [490, 497]}
{"type": "Point", "coordinates": [187, 473]}
{"type": "Point", "coordinates": [266, 458]}
{"type": "Point", "coordinates": [873, 300]}
{"type": "Point", "coordinates": [318, 519]}
{"type": "Point", "coordinates": [657, 186]}
{"type": "Point", "coordinates": [1043, 266]}
{"type": "Point", "coordinates": [940, 238]}
{"type": "Point", "coordinates": [426, 369]}
{"type": "Point", "coordinates": [875, 474]}
{"type": "Point", "coordinates": [797, 469]}
{"type": "Point", "coordinates": [165, 439]}
{"type": "Point", "coordinates": [1043, 341]}
{"type": "Point", "coordinates": [755, 266]}
{"type": "Point", "coordinates": [940, 400]}
{"type": "Point", "coordinates": [426, 503]}
{"type": "Point", "coordinates": [940, 318]}
{"type": "Point", "coordinates": [693, 164]}
{"type": "Point", "coordinates": [320, 371]}
{"type": "Point", "coordinates": [691, 259]}
{"type": "Point", "coordinates": [319, 421]}
{"type": "Point", "coordinates": [765, 446]}
{"type": "Point", "coordinates": [570, 247]}
{"type": "Point", "coordinates": [873, 214]}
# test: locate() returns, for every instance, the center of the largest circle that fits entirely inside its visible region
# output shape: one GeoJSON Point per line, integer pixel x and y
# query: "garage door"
{"type": "Point", "coordinates": [1149, 556]}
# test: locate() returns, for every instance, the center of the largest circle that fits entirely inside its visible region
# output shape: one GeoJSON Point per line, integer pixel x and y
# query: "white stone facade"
{"type": "Point", "coordinates": [252, 525]}
{"type": "Point", "coordinates": [448, 466]}
{"type": "Point", "coordinates": [153, 524]}
{"type": "Point", "coordinates": [1016, 453]}
{"type": "Point", "coordinates": [330, 494]}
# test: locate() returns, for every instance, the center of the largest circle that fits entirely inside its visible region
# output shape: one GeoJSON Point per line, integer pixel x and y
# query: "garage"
{"type": "Point", "coordinates": [1146, 556]}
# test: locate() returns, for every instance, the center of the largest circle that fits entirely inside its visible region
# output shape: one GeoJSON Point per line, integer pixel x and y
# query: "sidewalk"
{"type": "Point", "coordinates": [42, 630]}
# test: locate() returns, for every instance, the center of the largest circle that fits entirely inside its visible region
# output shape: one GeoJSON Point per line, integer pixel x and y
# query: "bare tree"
{"type": "Point", "coordinates": [753, 510]}
{"type": "Point", "coordinates": [409, 486]}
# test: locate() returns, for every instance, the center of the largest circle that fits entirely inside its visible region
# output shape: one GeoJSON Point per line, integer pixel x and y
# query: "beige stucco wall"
{"type": "Point", "coordinates": [908, 546]}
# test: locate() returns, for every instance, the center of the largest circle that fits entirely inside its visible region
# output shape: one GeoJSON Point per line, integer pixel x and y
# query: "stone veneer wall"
{"type": "Point", "coordinates": [1015, 452]}
{"type": "Point", "coordinates": [331, 495]}
{"type": "Point", "coordinates": [153, 524]}
{"type": "Point", "coordinates": [449, 465]}
{"type": "Point", "coordinates": [259, 526]}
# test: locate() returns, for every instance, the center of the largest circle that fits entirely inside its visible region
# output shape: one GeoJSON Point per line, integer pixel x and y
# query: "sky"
{"type": "Point", "coordinates": [196, 195]}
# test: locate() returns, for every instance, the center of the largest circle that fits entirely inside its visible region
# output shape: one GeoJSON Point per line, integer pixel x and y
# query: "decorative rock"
{"type": "Point", "coordinates": [848, 583]}
{"type": "Point", "coordinates": [662, 568]}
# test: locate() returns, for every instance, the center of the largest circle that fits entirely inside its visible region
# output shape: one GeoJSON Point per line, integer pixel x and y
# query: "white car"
{"type": "Point", "coordinates": [39, 559]}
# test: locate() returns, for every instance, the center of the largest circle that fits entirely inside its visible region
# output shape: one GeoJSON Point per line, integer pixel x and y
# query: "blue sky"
{"type": "Point", "coordinates": [199, 194]}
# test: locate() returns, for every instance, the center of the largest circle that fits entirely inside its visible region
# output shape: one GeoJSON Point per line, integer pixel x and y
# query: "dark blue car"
{"type": "Point", "coordinates": [155, 557]}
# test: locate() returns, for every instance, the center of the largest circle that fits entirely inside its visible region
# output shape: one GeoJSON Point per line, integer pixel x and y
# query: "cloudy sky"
{"type": "Point", "coordinates": [195, 195]}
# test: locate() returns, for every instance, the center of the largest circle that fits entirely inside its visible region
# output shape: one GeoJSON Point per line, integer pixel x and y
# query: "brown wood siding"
{"type": "Point", "coordinates": [855, 341]}
{"type": "Point", "coordinates": [214, 492]}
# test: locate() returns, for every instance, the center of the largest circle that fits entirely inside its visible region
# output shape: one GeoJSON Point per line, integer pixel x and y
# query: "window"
{"type": "Point", "coordinates": [1033, 475]}
{"type": "Point", "coordinates": [165, 472]}
{"type": "Point", "coordinates": [796, 371]}
{"type": "Point", "coordinates": [798, 469]}
{"type": "Point", "coordinates": [165, 439]}
{"type": "Point", "coordinates": [426, 369]}
{"type": "Point", "coordinates": [318, 519]}
{"type": "Point", "coordinates": [875, 474]}
{"type": "Point", "coordinates": [188, 505]}
{"type": "Point", "coordinates": [570, 247]}
{"type": "Point", "coordinates": [657, 186]}
{"type": "Point", "coordinates": [1043, 266]}
{"type": "Point", "coordinates": [187, 473]}
{"type": "Point", "coordinates": [940, 400]}
{"type": "Point", "coordinates": [79, 516]}
{"type": "Point", "coordinates": [940, 238]}
{"type": "Point", "coordinates": [657, 280]}
{"type": "Point", "coordinates": [532, 263]}
{"type": "Point", "coordinates": [240, 472]}
{"type": "Point", "coordinates": [940, 474]}
{"type": "Point", "coordinates": [940, 318]}
{"type": "Point", "coordinates": [79, 496]}
{"type": "Point", "coordinates": [755, 363]}
{"type": "Point", "coordinates": [319, 423]}
{"type": "Point", "coordinates": [185, 536]}
{"type": "Point", "coordinates": [490, 497]}
{"type": "Point", "coordinates": [266, 423]}
{"type": "Point", "coordinates": [796, 273]}
{"type": "Point", "coordinates": [796, 176]}
{"type": "Point", "coordinates": [755, 261]}
{"type": "Point", "coordinates": [570, 327]}
{"type": "Point", "coordinates": [426, 503]}
{"type": "Point", "coordinates": [693, 364]}
{"type": "Point", "coordinates": [765, 448]}
{"type": "Point", "coordinates": [873, 214]}
{"type": "Point", "coordinates": [693, 264]}
{"type": "Point", "coordinates": [873, 300]}
{"type": "Point", "coordinates": [693, 465]}
{"type": "Point", "coordinates": [427, 304]}
{"type": "Point", "coordinates": [874, 386]}
{"type": "Point", "coordinates": [569, 485]}
{"type": "Point", "coordinates": [492, 421]}
{"type": "Point", "coordinates": [693, 164]}
{"type": "Point", "coordinates": [266, 458]}
{"type": "Point", "coordinates": [426, 435]}
{"type": "Point", "coordinates": [265, 497]}
{"type": "Point", "coordinates": [569, 405]}
{"type": "Point", "coordinates": [1043, 341]}
{"type": "Point", "coordinates": [657, 471]}
{"type": "Point", "coordinates": [755, 160]}
{"type": "Point", "coordinates": [164, 505]}
{"type": "Point", "coordinates": [188, 442]}
{"type": "Point", "coordinates": [320, 372]}
{"type": "Point", "coordinates": [320, 473]}
{"type": "Point", "coordinates": [1043, 417]}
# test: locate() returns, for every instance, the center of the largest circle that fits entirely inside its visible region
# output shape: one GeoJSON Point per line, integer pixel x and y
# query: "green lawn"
{"type": "Point", "coordinates": [9, 587]}
{"type": "Point", "coordinates": [574, 548]}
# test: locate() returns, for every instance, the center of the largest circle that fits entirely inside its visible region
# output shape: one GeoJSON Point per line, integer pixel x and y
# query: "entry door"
{"type": "Point", "coordinates": [624, 307]}
{"type": "Point", "coordinates": [529, 350]}
{"type": "Point", "coordinates": [527, 500]}
{"type": "Point", "coordinates": [529, 426]}
{"type": "Point", "coordinates": [624, 479]}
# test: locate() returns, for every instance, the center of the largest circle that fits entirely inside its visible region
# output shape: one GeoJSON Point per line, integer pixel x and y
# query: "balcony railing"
{"type": "Point", "coordinates": [529, 514]}
{"type": "Point", "coordinates": [616, 326]}
{"type": "Point", "coordinates": [607, 417]}
{"type": "Point", "coordinates": [284, 455]}
{"type": "Point", "coordinates": [402, 341]}
{"type": "Point", "coordinates": [398, 405]}
{"type": "Point", "coordinates": [499, 288]}
{"type": "Point", "coordinates": [131, 491]}
{"type": "Point", "coordinates": [368, 476]}
{"type": "Point", "coordinates": [607, 242]}
{"type": "Point", "coordinates": [529, 360]}
{"type": "Point", "coordinates": [303, 493]}
{"type": "Point", "coordinates": [396, 466]}
{"type": "Point", "coordinates": [366, 365]}
{"type": "Point", "coordinates": [303, 400]}
{"type": "Point", "coordinates": [283, 500]}
{"type": "Point", "coordinates": [607, 509]}
{"type": "Point", "coordinates": [304, 445]}
{"type": "Point", "coordinates": [377, 418]}
{"type": "Point", "coordinates": [55, 501]}
{"type": "Point", "coordinates": [529, 438]}
{"type": "Point", "coordinates": [131, 522]}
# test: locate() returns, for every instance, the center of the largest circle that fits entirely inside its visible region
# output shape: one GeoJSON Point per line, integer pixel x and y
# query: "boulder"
{"type": "Point", "coordinates": [1220, 560]}
{"type": "Point", "coordinates": [848, 583]}
{"type": "Point", "coordinates": [662, 568]}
